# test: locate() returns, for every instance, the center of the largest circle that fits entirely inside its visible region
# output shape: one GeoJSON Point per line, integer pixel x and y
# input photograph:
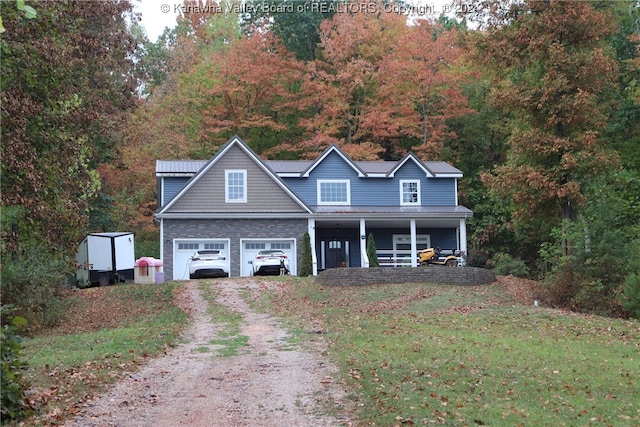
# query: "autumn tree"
{"type": "Point", "coordinates": [67, 79]}
{"type": "Point", "coordinates": [552, 73]}
{"type": "Point", "coordinates": [420, 89]}
{"type": "Point", "coordinates": [253, 87]}
{"type": "Point", "coordinates": [343, 81]}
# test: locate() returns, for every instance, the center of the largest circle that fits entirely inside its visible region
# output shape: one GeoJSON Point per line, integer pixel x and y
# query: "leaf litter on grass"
{"type": "Point", "coordinates": [462, 355]}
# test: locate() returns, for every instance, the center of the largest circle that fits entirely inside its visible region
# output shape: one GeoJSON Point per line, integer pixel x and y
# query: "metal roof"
{"type": "Point", "coordinates": [166, 167]}
{"type": "Point", "coordinates": [179, 166]}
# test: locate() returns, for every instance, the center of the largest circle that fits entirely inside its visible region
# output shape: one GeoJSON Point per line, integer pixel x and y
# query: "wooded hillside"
{"type": "Point", "coordinates": [537, 102]}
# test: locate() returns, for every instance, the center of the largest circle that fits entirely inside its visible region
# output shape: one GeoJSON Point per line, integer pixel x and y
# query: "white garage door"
{"type": "Point", "coordinates": [184, 249]}
{"type": "Point", "coordinates": [250, 248]}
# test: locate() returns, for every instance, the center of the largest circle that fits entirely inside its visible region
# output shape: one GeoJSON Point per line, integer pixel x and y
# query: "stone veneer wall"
{"type": "Point", "coordinates": [388, 275]}
{"type": "Point", "coordinates": [232, 229]}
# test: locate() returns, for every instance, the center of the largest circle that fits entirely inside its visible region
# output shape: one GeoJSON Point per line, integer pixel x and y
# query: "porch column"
{"type": "Point", "coordinates": [312, 237]}
{"type": "Point", "coordinates": [463, 236]}
{"type": "Point", "coordinates": [364, 258]}
{"type": "Point", "coordinates": [414, 244]}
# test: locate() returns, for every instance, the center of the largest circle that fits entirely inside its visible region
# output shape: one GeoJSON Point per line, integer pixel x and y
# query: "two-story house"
{"type": "Point", "coordinates": [240, 203]}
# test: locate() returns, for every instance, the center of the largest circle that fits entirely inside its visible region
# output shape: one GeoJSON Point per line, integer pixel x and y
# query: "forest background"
{"type": "Point", "coordinates": [537, 102]}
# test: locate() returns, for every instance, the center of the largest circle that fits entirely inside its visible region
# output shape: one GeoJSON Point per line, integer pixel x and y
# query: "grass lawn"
{"type": "Point", "coordinates": [106, 332]}
{"type": "Point", "coordinates": [424, 354]}
{"type": "Point", "coordinates": [411, 354]}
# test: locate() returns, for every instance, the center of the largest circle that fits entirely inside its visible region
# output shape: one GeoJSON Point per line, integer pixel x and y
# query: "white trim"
{"type": "Point", "coordinates": [243, 172]}
{"type": "Point", "coordinates": [162, 241]}
{"type": "Point", "coordinates": [174, 252]}
{"type": "Point", "coordinates": [364, 259]}
{"type": "Point", "coordinates": [311, 227]}
{"type": "Point", "coordinates": [418, 191]}
{"type": "Point", "coordinates": [462, 244]}
{"type": "Point", "coordinates": [334, 181]}
{"type": "Point", "coordinates": [414, 243]}
{"type": "Point", "coordinates": [401, 162]}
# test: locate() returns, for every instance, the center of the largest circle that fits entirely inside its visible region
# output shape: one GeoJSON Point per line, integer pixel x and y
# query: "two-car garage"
{"type": "Point", "coordinates": [238, 252]}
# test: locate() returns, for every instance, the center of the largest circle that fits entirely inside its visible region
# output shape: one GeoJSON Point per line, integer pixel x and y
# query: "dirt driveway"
{"type": "Point", "coordinates": [271, 384]}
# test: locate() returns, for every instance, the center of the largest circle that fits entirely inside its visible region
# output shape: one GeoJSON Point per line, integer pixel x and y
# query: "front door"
{"type": "Point", "coordinates": [335, 253]}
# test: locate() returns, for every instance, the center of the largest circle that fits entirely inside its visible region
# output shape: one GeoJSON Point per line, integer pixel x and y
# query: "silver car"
{"type": "Point", "coordinates": [208, 263]}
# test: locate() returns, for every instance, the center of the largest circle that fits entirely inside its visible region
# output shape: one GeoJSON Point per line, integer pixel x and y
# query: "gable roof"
{"type": "Point", "coordinates": [172, 167]}
{"type": "Point", "coordinates": [410, 157]}
{"type": "Point", "coordinates": [334, 149]}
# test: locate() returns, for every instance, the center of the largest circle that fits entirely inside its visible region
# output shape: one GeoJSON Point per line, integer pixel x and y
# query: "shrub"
{"type": "Point", "coordinates": [504, 265]}
{"type": "Point", "coordinates": [631, 295]}
{"type": "Point", "coordinates": [12, 383]}
{"type": "Point", "coordinates": [32, 283]}
{"type": "Point", "coordinates": [306, 263]}
{"type": "Point", "coordinates": [372, 253]}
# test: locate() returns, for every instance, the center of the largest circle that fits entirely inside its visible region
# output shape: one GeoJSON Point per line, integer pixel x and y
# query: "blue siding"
{"type": "Point", "coordinates": [171, 187]}
{"type": "Point", "coordinates": [374, 191]}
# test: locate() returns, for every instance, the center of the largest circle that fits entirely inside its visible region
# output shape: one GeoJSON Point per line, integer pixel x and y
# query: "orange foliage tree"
{"type": "Point", "coordinates": [552, 73]}
{"type": "Point", "coordinates": [420, 89]}
{"type": "Point", "coordinates": [253, 84]}
{"type": "Point", "coordinates": [344, 80]}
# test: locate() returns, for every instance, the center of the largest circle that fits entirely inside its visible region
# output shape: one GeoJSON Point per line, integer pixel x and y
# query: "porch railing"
{"type": "Point", "coordinates": [394, 258]}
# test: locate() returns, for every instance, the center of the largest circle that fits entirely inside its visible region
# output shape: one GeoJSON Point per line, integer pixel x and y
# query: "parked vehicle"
{"type": "Point", "coordinates": [270, 261]}
{"type": "Point", "coordinates": [435, 256]}
{"type": "Point", "coordinates": [208, 263]}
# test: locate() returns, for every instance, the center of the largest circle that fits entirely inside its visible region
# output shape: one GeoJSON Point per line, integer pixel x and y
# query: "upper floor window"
{"type": "Point", "coordinates": [235, 186]}
{"type": "Point", "coordinates": [334, 192]}
{"type": "Point", "coordinates": [409, 192]}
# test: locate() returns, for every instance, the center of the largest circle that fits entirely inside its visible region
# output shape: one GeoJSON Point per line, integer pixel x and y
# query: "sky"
{"type": "Point", "coordinates": [158, 14]}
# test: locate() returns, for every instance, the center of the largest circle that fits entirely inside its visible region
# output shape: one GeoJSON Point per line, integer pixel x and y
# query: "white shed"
{"type": "Point", "coordinates": [105, 258]}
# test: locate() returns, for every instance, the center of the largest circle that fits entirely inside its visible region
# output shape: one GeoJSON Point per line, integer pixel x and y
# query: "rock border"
{"type": "Point", "coordinates": [382, 275]}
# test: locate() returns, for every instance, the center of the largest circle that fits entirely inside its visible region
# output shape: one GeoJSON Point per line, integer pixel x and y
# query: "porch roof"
{"type": "Point", "coordinates": [390, 216]}
{"type": "Point", "coordinates": [458, 211]}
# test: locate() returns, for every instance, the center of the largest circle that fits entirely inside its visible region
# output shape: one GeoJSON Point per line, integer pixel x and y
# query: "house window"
{"type": "Point", "coordinates": [409, 193]}
{"type": "Point", "coordinates": [334, 192]}
{"type": "Point", "coordinates": [235, 186]}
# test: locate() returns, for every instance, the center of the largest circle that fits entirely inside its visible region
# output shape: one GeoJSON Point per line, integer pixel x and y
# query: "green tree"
{"type": "Point", "coordinates": [306, 261]}
{"type": "Point", "coordinates": [554, 74]}
{"type": "Point", "coordinates": [68, 80]}
{"type": "Point", "coordinates": [300, 30]}
{"type": "Point", "coordinates": [372, 252]}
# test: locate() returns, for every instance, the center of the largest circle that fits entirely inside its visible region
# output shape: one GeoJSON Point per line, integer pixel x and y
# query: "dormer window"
{"type": "Point", "coordinates": [235, 183]}
{"type": "Point", "coordinates": [409, 192]}
{"type": "Point", "coordinates": [334, 192]}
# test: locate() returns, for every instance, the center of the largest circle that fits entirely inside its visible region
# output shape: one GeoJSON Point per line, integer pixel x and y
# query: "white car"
{"type": "Point", "coordinates": [208, 263]}
{"type": "Point", "coordinates": [270, 261]}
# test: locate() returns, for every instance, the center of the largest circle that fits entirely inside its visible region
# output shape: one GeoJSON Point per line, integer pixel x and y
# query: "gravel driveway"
{"type": "Point", "coordinates": [270, 384]}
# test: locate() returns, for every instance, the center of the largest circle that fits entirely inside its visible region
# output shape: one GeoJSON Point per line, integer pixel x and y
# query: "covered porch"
{"type": "Point", "coordinates": [339, 239]}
